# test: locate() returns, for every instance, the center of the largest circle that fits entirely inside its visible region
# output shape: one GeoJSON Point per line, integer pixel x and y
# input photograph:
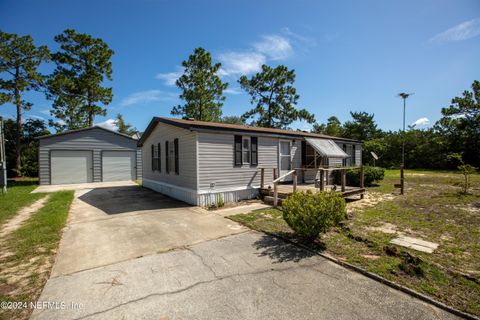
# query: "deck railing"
{"type": "Point", "coordinates": [278, 180]}
{"type": "Point", "coordinates": [324, 178]}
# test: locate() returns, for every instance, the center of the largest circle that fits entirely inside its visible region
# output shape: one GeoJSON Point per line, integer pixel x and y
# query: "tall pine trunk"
{"type": "Point", "coordinates": [18, 136]}
{"type": "Point", "coordinates": [90, 118]}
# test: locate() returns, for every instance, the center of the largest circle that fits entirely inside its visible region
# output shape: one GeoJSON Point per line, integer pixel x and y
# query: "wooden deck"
{"type": "Point", "coordinates": [281, 191]}
{"type": "Point", "coordinates": [285, 189]}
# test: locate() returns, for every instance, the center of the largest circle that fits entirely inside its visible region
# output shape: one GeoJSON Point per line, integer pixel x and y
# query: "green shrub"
{"type": "Point", "coordinates": [220, 202]}
{"type": "Point", "coordinates": [371, 175]}
{"type": "Point", "coordinates": [308, 214]}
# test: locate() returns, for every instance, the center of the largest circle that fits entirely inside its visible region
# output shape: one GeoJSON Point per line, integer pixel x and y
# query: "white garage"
{"type": "Point", "coordinates": [71, 166]}
{"type": "Point", "coordinates": [118, 165]}
{"type": "Point", "coordinates": [87, 155]}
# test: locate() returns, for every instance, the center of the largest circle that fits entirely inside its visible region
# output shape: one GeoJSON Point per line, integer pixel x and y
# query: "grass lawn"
{"type": "Point", "coordinates": [432, 210]}
{"type": "Point", "coordinates": [27, 254]}
{"type": "Point", "coordinates": [18, 196]}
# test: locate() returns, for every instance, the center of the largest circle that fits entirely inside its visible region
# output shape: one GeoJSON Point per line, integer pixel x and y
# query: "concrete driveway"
{"type": "Point", "coordinates": [129, 253]}
{"type": "Point", "coordinates": [117, 223]}
{"type": "Point", "coordinates": [243, 276]}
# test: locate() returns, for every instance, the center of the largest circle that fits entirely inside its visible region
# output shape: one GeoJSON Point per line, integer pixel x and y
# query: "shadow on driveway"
{"type": "Point", "coordinates": [279, 250]}
{"type": "Point", "coordinates": [115, 200]}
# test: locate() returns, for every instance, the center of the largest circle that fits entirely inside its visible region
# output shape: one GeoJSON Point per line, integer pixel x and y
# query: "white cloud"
{"type": "Point", "coordinates": [463, 31]}
{"type": "Point", "coordinates": [110, 124]}
{"type": "Point", "coordinates": [299, 38]}
{"type": "Point", "coordinates": [146, 97]}
{"type": "Point", "coordinates": [235, 63]}
{"type": "Point", "coordinates": [274, 47]}
{"type": "Point", "coordinates": [301, 125]}
{"type": "Point", "coordinates": [271, 47]}
{"type": "Point", "coordinates": [45, 112]}
{"type": "Point", "coordinates": [31, 116]}
{"type": "Point", "coordinates": [8, 116]}
{"type": "Point", "coordinates": [421, 122]}
{"type": "Point", "coordinates": [170, 78]}
{"type": "Point", "coordinates": [233, 91]}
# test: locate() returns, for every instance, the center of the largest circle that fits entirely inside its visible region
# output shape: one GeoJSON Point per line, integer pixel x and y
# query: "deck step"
{"type": "Point", "coordinates": [269, 192]}
{"type": "Point", "coordinates": [269, 200]}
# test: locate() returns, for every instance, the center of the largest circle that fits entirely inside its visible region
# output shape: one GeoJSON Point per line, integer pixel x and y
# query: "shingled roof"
{"type": "Point", "coordinates": [220, 126]}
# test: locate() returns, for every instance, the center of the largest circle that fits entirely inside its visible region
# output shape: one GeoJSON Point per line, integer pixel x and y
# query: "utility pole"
{"type": "Point", "coordinates": [404, 96]}
{"type": "Point", "coordinates": [3, 160]}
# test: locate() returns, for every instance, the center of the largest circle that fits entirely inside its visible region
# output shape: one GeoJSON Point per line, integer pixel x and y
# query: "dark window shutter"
{"type": "Point", "coordinates": [237, 152]}
{"type": "Point", "coordinates": [159, 157]}
{"type": "Point", "coordinates": [167, 170]}
{"type": "Point", "coordinates": [353, 155]}
{"type": "Point", "coordinates": [175, 145]}
{"type": "Point", "coordinates": [153, 157]}
{"type": "Point", "coordinates": [304, 153]}
{"type": "Point", "coordinates": [253, 151]}
{"type": "Point", "coordinates": [345, 159]}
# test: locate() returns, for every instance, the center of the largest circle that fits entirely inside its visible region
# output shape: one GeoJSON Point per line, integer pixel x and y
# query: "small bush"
{"type": "Point", "coordinates": [220, 202]}
{"type": "Point", "coordinates": [371, 175]}
{"type": "Point", "coordinates": [309, 214]}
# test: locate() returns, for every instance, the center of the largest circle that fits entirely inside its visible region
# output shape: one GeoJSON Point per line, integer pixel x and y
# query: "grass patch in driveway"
{"type": "Point", "coordinates": [18, 195]}
{"type": "Point", "coordinates": [433, 210]}
{"type": "Point", "coordinates": [28, 254]}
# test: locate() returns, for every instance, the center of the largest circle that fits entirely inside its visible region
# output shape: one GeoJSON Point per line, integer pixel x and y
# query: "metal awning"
{"type": "Point", "coordinates": [327, 148]}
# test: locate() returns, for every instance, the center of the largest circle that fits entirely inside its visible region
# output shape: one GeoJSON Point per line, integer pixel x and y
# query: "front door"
{"type": "Point", "coordinates": [285, 159]}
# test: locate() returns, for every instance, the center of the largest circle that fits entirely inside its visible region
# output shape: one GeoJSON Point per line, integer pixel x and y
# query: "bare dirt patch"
{"type": "Point", "coordinates": [370, 200]}
{"type": "Point", "coordinates": [22, 215]}
{"type": "Point", "coordinates": [387, 228]}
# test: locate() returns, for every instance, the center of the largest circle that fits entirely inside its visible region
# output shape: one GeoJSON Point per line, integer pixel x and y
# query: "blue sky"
{"type": "Point", "coordinates": [348, 55]}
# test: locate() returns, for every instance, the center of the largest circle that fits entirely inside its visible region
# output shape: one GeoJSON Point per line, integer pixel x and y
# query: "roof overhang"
{"type": "Point", "coordinates": [327, 148]}
{"type": "Point", "coordinates": [84, 129]}
{"type": "Point", "coordinates": [204, 125]}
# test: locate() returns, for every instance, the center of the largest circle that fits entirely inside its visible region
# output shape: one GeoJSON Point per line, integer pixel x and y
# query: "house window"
{"type": "Point", "coordinates": [155, 150]}
{"type": "Point", "coordinates": [246, 149]}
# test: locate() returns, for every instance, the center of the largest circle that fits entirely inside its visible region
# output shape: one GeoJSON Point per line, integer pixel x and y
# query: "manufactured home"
{"type": "Point", "coordinates": [87, 155]}
{"type": "Point", "coordinates": [202, 162]}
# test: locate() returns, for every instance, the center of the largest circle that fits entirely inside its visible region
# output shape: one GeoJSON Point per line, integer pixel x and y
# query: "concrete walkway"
{"type": "Point", "coordinates": [243, 276]}
{"type": "Point", "coordinates": [82, 186]}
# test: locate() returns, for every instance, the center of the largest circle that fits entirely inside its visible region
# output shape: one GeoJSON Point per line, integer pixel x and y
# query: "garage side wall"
{"type": "Point", "coordinates": [95, 140]}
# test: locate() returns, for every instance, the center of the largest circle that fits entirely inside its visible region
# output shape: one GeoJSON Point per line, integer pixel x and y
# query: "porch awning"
{"type": "Point", "coordinates": [327, 148]}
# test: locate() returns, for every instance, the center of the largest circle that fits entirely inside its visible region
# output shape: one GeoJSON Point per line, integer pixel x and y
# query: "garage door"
{"type": "Point", "coordinates": [118, 165]}
{"type": "Point", "coordinates": [71, 166]}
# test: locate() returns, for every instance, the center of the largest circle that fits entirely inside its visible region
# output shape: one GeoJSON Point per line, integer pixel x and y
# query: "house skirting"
{"type": "Point", "coordinates": [202, 197]}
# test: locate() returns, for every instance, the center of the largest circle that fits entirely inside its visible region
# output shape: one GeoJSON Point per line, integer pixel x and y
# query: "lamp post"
{"type": "Point", "coordinates": [404, 96]}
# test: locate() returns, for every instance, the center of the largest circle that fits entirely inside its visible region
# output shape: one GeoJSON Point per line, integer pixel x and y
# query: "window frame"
{"type": "Point", "coordinates": [246, 150]}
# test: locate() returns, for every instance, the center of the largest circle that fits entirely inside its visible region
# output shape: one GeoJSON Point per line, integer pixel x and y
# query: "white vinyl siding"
{"type": "Point", "coordinates": [118, 165]}
{"type": "Point", "coordinates": [187, 177]}
{"type": "Point", "coordinates": [216, 162]}
{"type": "Point", "coordinates": [71, 166]}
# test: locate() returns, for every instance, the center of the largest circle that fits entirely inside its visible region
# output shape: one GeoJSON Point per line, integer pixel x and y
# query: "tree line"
{"type": "Point", "coordinates": [78, 91]}
{"type": "Point", "coordinates": [456, 132]}
{"type": "Point", "coordinates": [76, 87]}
